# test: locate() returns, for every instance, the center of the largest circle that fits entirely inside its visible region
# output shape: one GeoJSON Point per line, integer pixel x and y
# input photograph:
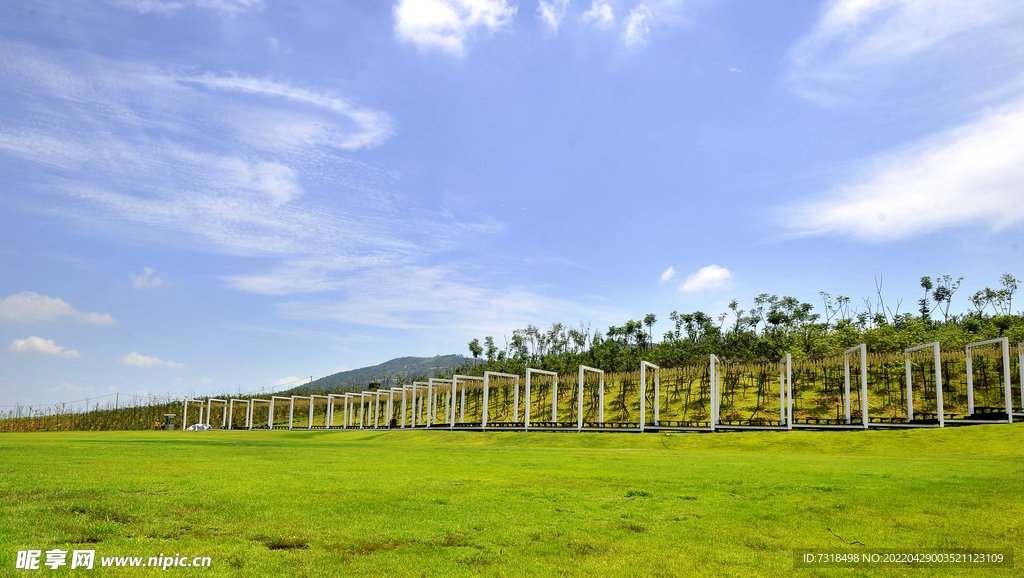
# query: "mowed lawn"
{"type": "Point", "coordinates": [417, 503]}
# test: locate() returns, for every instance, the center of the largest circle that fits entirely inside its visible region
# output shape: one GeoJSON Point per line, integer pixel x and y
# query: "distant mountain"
{"type": "Point", "coordinates": [386, 373]}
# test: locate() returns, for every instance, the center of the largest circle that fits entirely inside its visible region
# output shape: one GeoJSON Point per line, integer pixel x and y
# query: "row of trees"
{"type": "Point", "coordinates": [770, 328]}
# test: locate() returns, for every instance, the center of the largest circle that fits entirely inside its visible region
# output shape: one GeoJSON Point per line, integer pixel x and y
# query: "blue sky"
{"type": "Point", "coordinates": [212, 195]}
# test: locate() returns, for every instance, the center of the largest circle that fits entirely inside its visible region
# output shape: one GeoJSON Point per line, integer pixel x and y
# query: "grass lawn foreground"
{"type": "Point", "coordinates": [439, 503]}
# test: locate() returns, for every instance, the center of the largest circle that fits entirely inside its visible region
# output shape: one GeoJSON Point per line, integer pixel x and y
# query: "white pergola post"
{"type": "Point", "coordinates": [863, 349]}
{"type": "Point", "coordinates": [529, 398]}
{"type": "Point", "coordinates": [252, 410]}
{"type": "Point", "coordinates": [713, 387]}
{"type": "Point", "coordinates": [437, 392]}
{"type": "Point", "coordinates": [1008, 391]}
{"type": "Point", "coordinates": [643, 393]}
{"type": "Point", "coordinates": [940, 410]}
{"type": "Point", "coordinates": [786, 385]}
{"type": "Point", "coordinates": [579, 400]}
{"type": "Point", "coordinates": [404, 388]}
{"type": "Point", "coordinates": [291, 411]}
{"type": "Point", "coordinates": [362, 407]}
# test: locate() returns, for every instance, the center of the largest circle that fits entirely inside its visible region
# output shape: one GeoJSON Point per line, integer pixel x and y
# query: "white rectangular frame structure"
{"type": "Point", "coordinates": [940, 409]}
{"type": "Point", "coordinates": [184, 411]}
{"type": "Point", "coordinates": [487, 385]}
{"type": "Point", "coordinates": [417, 406]}
{"type": "Point", "coordinates": [209, 411]}
{"type": "Point", "coordinates": [579, 398]}
{"type": "Point", "coordinates": [643, 393]}
{"type": "Point", "coordinates": [432, 394]}
{"type": "Point", "coordinates": [330, 408]}
{"type": "Point", "coordinates": [270, 418]}
{"type": "Point", "coordinates": [863, 349]}
{"type": "Point", "coordinates": [1007, 386]}
{"type": "Point", "coordinates": [462, 402]}
{"type": "Point", "coordinates": [252, 410]}
{"type": "Point", "coordinates": [231, 412]}
{"type": "Point", "coordinates": [529, 396]}
{"type": "Point", "coordinates": [312, 407]}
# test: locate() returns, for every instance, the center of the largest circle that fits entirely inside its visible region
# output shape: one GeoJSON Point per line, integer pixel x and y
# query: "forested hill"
{"type": "Point", "coordinates": [387, 373]}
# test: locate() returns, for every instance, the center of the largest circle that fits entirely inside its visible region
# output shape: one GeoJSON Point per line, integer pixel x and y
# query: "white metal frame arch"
{"type": "Point", "coordinates": [270, 418]}
{"type": "Point", "coordinates": [554, 394]}
{"type": "Point", "coordinates": [583, 369]}
{"type": "Point", "coordinates": [252, 409]}
{"type": "Point", "coordinates": [863, 349]}
{"type": "Point", "coordinates": [487, 384]}
{"type": "Point", "coordinates": [209, 410]}
{"type": "Point", "coordinates": [184, 411]}
{"type": "Point", "coordinates": [940, 410]}
{"type": "Point", "coordinates": [1008, 389]}
{"type": "Point", "coordinates": [231, 412]}
{"type": "Point", "coordinates": [462, 401]}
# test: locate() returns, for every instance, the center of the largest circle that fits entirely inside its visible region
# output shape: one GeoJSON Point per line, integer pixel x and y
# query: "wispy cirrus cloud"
{"type": "Point", "coordinates": [229, 7]}
{"type": "Point", "coordinates": [447, 24]}
{"type": "Point", "coordinates": [860, 47]}
{"type": "Point", "coordinates": [972, 174]}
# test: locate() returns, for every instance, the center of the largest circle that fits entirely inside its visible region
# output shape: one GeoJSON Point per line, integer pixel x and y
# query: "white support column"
{"type": "Point", "coordinates": [846, 393]}
{"type": "Point", "coordinates": [643, 394]}
{"type": "Point", "coordinates": [910, 393]}
{"type": "Point", "coordinates": [270, 415]}
{"type": "Point", "coordinates": [940, 407]}
{"type": "Point", "coordinates": [483, 415]}
{"type": "Point", "coordinates": [430, 402]}
{"type": "Point", "coordinates": [554, 401]}
{"type": "Point", "coordinates": [865, 418]}
{"type": "Point", "coordinates": [362, 407]}
{"type": "Point", "coordinates": [515, 405]}
{"type": "Point", "coordinates": [184, 414]}
{"type": "Point", "coordinates": [579, 401]}
{"type": "Point", "coordinates": [789, 390]}
{"type": "Point", "coordinates": [291, 411]}
{"type": "Point", "coordinates": [310, 424]}
{"type": "Point", "coordinates": [970, 382]}
{"type": "Point", "coordinates": [403, 406]}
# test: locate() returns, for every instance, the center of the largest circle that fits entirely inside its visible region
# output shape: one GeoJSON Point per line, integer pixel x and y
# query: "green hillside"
{"type": "Point", "coordinates": [387, 373]}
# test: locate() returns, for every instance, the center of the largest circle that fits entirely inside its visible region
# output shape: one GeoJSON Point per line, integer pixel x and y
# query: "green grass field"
{"type": "Point", "coordinates": [419, 503]}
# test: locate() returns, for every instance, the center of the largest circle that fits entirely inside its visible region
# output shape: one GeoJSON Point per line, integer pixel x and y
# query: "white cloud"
{"type": "Point", "coordinates": [600, 14]}
{"type": "Point", "coordinates": [637, 25]}
{"type": "Point", "coordinates": [229, 7]}
{"type": "Point", "coordinates": [33, 344]}
{"type": "Point", "coordinates": [552, 12]}
{"type": "Point", "coordinates": [668, 274]}
{"type": "Point", "coordinates": [135, 359]}
{"type": "Point", "coordinates": [973, 174]}
{"type": "Point", "coordinates": [147, 279]}
{"type": "Point", "coordinates": [29, 307]}
{"type": "Point", "coordinates": [859, 44]}
{"type": "Point", "coordinates": [206, 380]}
{"type": "Point", "coordinates": [288, 380]}
{"type": "Point", "coordinates": [710, 277]}
{"type": "Point", "coordinates": [446, 24]}
{"type": "Point", "coordinates": [67, 388]}
{"type": "Point", "coordinates": [371, 128]}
